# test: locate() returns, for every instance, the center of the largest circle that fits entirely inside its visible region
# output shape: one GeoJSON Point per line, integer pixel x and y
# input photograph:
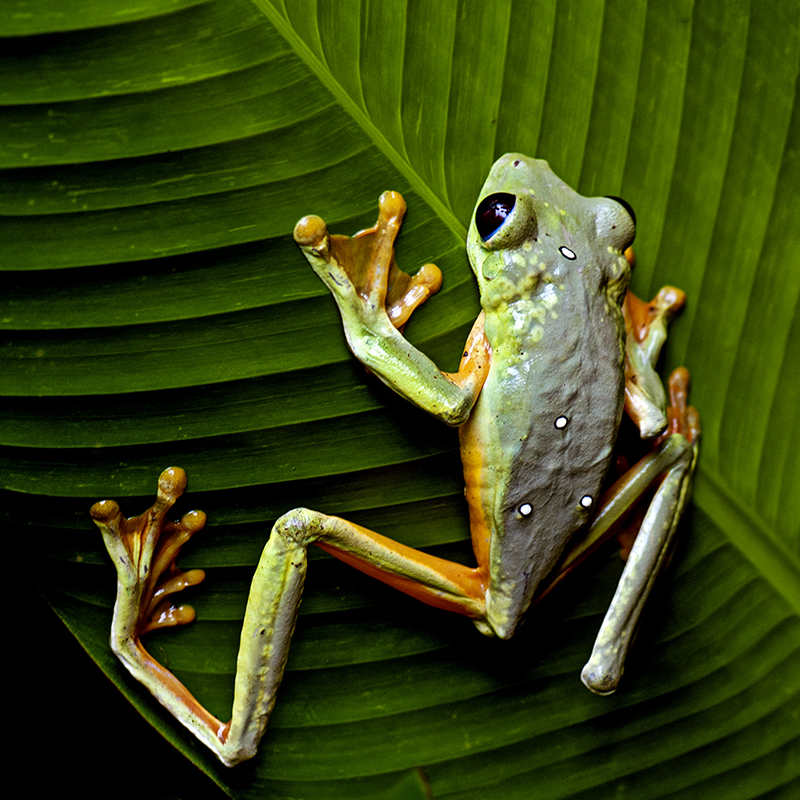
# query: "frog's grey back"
{"type": "Point", "coordinates": [550, 420]}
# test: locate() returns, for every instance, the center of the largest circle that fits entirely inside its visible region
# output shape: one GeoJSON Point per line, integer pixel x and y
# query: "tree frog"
{"type": "Point", "coordinates": [559, 350]}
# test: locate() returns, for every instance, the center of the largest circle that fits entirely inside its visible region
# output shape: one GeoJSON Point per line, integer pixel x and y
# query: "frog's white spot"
{"type": "Point", "coordinates": [561, 423]}
{"type": "Point", "coordinates": [587, 500]}
{"type": "Point", "coordinates": [526, 509]}
{"type": "Point", "coordinates": [567, 253]}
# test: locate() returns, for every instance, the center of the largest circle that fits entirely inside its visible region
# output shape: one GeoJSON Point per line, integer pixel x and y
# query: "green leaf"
{"type": "Point", "coordinates": [155, 311]}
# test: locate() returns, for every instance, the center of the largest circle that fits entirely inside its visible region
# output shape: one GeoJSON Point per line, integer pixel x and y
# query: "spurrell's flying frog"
{"type": "Point", "coordinates": [558, 352]}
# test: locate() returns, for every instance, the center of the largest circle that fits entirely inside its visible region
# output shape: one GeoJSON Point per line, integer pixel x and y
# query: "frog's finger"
{"type": "Point", "coordinates": [311, 233]}
{"type": "Point", "coordinates": [407, 293]}
{"type": "Point", "coordinates": [392, 209]}
{"type": "Point", "coordinates": [368, 257]}
{"type": "Point", "coordinates": [647, 322]}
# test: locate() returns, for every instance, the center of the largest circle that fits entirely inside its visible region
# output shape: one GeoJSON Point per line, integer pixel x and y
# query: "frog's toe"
{"type": "Point", "coordinates": [171, 484]}
{"type": "Point", "coordinates": [310, 231]}
{"type": "Point", "coordinates": [683, 418]}
{"type": "Point", "coordinates": [402, 301]}
{"type": "Point", "coordinates": [599, 681]}
{"type": "Point", "coordinates": [392, 206]}
{"type": "Point", "coordinates": [669, 301]}
{"type": "Point", "coordinates": [104, 512]}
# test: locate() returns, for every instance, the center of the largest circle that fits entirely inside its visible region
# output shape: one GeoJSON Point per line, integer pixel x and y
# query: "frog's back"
{"type": "Point", "coordinates": [545, 427]}
{"type": "Point", "coordinates": [552, 278]}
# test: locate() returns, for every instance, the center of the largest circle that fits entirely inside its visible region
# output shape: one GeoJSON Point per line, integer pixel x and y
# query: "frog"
{"type": "Point", "coordinates": [559, 353]}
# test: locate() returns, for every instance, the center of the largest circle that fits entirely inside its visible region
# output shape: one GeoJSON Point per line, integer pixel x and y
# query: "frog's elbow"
{"type": "Point", "coordinates": [458, 411]}
{"type": "Point", "coordinates": [648, 416]}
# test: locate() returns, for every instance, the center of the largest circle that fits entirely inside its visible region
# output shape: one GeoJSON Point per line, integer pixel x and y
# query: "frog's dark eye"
{"type": "Point", "coordinates": [493, 212]}
{"type": "Point", "coordinates": [625, 204]}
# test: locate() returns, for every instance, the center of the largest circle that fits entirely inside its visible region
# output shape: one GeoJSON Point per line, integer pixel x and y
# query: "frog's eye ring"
{"type": "Point", "coordinates": [492, 213]}
{"type": "Point", "coordinates": [504, 220]}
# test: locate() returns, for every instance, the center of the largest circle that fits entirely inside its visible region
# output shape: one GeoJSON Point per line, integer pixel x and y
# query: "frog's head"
{"type": "Point", "coordinates": [529, 227]}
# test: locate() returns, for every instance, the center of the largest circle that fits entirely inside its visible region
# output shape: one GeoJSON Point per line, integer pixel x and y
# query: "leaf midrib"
{"type": "Point", "coordinates": [400, 163]}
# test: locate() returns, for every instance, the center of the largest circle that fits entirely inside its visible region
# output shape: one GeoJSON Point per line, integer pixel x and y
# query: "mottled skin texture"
{"type": "Point", "coordinates": [558, 342]}
{"type": "Point", "coordinates": [538, 399]}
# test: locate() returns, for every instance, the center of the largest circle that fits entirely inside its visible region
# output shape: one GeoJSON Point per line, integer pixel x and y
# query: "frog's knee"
{"type": "Point", "coordinates": [601, 678]}
{"type": "Point", "coordinates": [680, 447]}
{"type": "Point", "coordinates": [485, 628]}
{"type": "Point", "coordinates": [300, 525]}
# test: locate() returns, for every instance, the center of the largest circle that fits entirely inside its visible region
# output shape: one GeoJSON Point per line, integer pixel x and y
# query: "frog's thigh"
{"type": "Point", "coordinates": [275, 597]}
{"type": "Point", "coordinates": [676, 455]}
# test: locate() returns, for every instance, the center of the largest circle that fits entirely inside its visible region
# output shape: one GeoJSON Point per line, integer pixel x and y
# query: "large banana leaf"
{"type": "Point", "coordinates": [155, 311]}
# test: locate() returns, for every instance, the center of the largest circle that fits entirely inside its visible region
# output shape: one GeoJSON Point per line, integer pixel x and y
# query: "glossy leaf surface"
{"type": "Point", "coordinates": [155, 311]}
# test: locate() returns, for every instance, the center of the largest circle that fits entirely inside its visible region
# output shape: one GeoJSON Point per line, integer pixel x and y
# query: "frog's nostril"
{"type": "Point", "coordinates": [493, 212]}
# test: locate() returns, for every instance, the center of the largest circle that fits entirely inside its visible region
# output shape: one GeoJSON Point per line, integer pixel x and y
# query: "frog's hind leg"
{"type": "Point", "coordinates": [275, 597]}
{"type": "Point", "coordinates": [143, 550]}
{"type": "Point", "coordinates": [674, 458]}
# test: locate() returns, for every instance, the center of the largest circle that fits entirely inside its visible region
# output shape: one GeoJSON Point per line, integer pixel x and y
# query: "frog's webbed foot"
{"type": "Point", "coordinates": [646, 327]}
{"type": "Point", "coordinates": [144, 550]}
{"type": "Point", "coordinates": [361, 271]}
{"type": "Point", "coordinates": [375, 299]}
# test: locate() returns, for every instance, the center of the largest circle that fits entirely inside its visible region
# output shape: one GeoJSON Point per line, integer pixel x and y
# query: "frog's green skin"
{"type": "Point", "coordinates": [538, 399]}
{"type": "Point", "coordinates": [555, 325]}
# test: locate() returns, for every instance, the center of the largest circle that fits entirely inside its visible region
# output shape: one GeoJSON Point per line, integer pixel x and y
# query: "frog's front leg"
{"type": "Point", "coordinates": [375, 299]}
{"type": "Point", "coordinates": [646, 329]}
